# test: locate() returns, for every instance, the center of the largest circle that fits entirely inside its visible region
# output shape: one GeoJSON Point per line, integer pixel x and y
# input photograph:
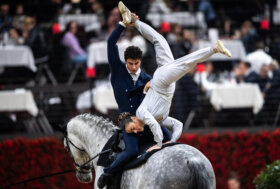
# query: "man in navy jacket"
{"type": "Point", "coordinates": [128, 82]}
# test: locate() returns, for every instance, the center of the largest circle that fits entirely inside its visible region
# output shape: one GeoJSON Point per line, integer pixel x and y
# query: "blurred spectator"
{"type": "Point", "coordinates": [273, 90]}
{"type": "Point", "coordinates": [227, 31]}
{"type": "Point", "coordinates": [6, 20]}
{"type": "Point", "coordinates": [236, 72]}
{"type": "Point", "coordinates": [258, 57]}
{"type": "Point", "coordinates": [249, 76]}
{"type": "Point", "coordinates": [272, 98]}
{"type": "Point", "coordinates": [14, 38]}
{"type": "Point", "coordinates": [76, 53]}
{"type": "Point", "coordinates": [175, 33]}
{"type": "Point", "coordinates": [34, 38]}
{"type": "Point", "coordinates": [94, 7]}
{"type": "Point", "coordinates": [248, 36]}
{"type": "Point", "coordinates": [264, 81]}
{"type": "Point", "coordinates": [186, 96]}
{"type": "Point", "coordinates": [158, 6]}
{"type": "Point", "coordinates": [206, 7]}
{"type": "Point", "coordinates": [19, 18]}
{"type": "Point", "coordinates": [112, 21]}
{"type": "Point", "coordinates": [180, 41]}
{"type": "Point", "coordinates": [233, 181]}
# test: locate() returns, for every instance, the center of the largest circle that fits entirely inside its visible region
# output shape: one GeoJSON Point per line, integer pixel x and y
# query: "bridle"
{"type": "Point", "coordinates": [84, 168]}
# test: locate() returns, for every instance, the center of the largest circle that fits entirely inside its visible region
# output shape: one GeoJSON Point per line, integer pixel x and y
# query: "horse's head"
{"type": "Point", "coordinates": [85, 137]}
{"type": "Point", "coordinates": [77, 150]}
{"type": "Point", "coordinates": [80, 158]}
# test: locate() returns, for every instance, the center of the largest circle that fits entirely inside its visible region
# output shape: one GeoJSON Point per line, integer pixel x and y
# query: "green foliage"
{"type": "Point", "coordinates": [269, 178]}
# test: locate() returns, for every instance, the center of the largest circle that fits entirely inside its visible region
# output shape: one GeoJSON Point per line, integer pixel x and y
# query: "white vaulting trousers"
{"type": "Point", "coordinates": [169, 70]}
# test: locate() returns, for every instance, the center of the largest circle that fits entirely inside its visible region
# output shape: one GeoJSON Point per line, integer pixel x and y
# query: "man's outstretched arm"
{"type": "Point", "coordinates": [112, 48]}
{"type": "Point", "coordinates": [175, 125]}
{"type": "Point", "coordinates": [145, 116]}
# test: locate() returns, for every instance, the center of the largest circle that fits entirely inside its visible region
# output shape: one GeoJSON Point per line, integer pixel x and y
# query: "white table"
{"type": "Point", "coordinates": [17, 101]}
{"type": "Point", "coordinates": [185, 19]}
{"type": "Point", "coordinates": [12, 56]}
{"type": "Point", "coordinates": [90, 21]}
{"type": "Point", "coordinates": [103, 98]}
{"type": "Point", "coordinates": [237, 96]}
{"type": "Point", "coordinates": [236, 48]}
{"type": "Point", "coordinates": [97, 53]}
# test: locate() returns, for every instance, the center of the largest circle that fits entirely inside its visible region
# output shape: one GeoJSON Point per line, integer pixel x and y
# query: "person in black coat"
{"type": "Point", "coordinates": [272, 98]}
{"type": "Point", "coordinates": [249, 76]}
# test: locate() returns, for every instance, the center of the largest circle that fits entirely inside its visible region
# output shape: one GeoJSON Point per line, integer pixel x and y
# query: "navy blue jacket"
{"type": "Point", "coordinates": [253, 77]}
{"type": "Point", "coordinates": [127, 95]}
{"type": "Point", "coordinates": [274, 90]}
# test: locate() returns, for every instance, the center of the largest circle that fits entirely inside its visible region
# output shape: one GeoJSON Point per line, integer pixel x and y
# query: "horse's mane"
{"type": "Point", "coordinates": [97, 121]}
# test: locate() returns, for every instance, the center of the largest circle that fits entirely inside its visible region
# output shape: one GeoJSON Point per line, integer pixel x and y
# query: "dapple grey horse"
{"type": "Point", "coordinates": [179, 167]}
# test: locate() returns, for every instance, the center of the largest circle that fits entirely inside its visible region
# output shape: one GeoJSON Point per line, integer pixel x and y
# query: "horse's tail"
{"type": "Point", "coordinates": [200, 178]}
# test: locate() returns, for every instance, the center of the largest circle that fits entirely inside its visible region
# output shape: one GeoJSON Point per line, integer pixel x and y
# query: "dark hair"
{"type": "Point", "coordinates": [259, 45]}
{"type": "Point", "coordinates": [247, 64]}
{"type": "Point", "coordinates": [124, 119]}
{"type": "Point", "coordinates": [68, 25]}
{"type": "Point", "coordinates": [233, 175]}
{"type": "Point", "coordinates": [133, 52]}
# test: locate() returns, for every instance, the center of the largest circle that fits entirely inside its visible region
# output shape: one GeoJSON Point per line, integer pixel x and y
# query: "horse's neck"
{"type": "Point", "coordinates": [95, 141]}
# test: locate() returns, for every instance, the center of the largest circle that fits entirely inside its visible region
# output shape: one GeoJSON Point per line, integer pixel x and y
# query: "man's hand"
{"type": "Point", "coordinates": [134, 17]}
{"type": "Point", "coordinates": [147, 86]}
{"type": "Point", "coordinates": [155, 147]}
{"type": "Point", "coordinates": [168, 142]}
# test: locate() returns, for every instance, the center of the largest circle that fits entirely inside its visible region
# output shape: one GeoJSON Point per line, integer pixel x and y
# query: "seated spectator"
{"type": "Point", "coordinates": [264, 82]}
{"type": "Point", "coordinates": [272, 98]}
{"type": "Point", "coordinates": [258, 57]}
{"type": "Point", "coordinates": [227, 31]}
{"type": "Point", "coordinates": [180, 41]}
{"type": "Point", "coordinates": [14, 38]}
{"type": "Point", "coordinates": [19, 18]}
{"type": "Point", "coordinates": [248, 36]}
{"type": "Point", "coordinates": [236, 72]}
{"type": "Point", "coordinates": [6, 21]}
{"type": "Point", "coordinates": [76, 53]}
{"type": "Point", "coordinates": [34, 38]}
{"type": "Point", "coordinates": [248, 75]}
{"type": "Point", "coordinates": [273, 90]}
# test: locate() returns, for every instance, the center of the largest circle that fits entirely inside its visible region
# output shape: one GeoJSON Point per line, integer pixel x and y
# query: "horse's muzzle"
{"type": "Point", "coordinates": [84, 177]}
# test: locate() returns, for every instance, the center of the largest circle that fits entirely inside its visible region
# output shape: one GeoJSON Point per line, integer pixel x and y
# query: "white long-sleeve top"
{"type": "Point", "coordinates": [155, 107]}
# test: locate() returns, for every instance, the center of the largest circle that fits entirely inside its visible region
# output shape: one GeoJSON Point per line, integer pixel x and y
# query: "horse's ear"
{"type": "Point", "coordinates": [62, 128]}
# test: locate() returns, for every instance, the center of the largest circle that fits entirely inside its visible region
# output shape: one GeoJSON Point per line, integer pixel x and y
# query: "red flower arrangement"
{"type": "Point", "coordinates": [246, 154]}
